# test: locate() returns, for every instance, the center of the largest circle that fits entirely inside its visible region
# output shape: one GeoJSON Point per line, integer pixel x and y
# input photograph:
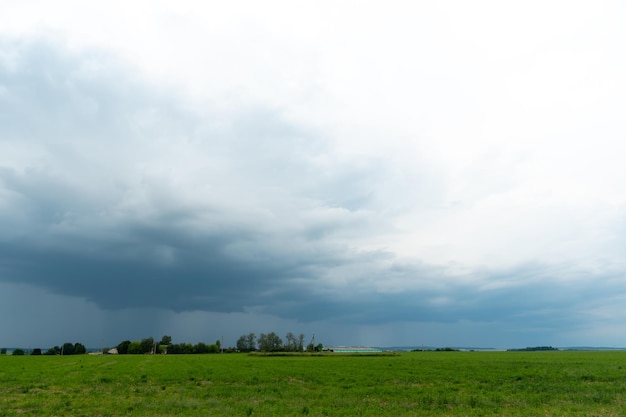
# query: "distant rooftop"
{"type": "Point", "coordinates": [352, 349]}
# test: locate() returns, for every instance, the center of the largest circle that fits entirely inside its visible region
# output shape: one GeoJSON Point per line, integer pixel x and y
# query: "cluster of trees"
{"type": "Point", "coordinates": [444, 349]}
{"type": "Point", "coordinates": [271, 342]}
{"type": "Point", "coordinates": [165, 345]}
{"type": "Point", "coordinates": [265, 342]}
{"type": "Point", "coordinates": [66, 349]}
{"type": "Point", "coordinates": [533, 349]}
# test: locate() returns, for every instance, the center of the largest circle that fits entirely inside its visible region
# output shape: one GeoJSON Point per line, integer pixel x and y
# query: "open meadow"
{"type": "Point", "coordinates": [405, 384]}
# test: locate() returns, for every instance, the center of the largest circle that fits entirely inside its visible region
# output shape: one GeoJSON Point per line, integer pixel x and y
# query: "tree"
{"type": "Point", "coordinates": [3, 351]}
{"type": "Point", "coordinates": [186, 348]}
{"type": "Point", "coordinates": [246, 343]}
{"type": "Point", "coordinates": [53, 351]}
{"type": "Point", "coordinates": [36, 352]}
{"type": "Point", "coordinates": [270, 342]}
{"type": "Point", "coordinates": [174, 349]}
{"type": "Point", "coordinates": [164, 345]}
{"type": "Point", "coordinates": [241, 344]}
{"type": "Point", "coordinates": [134, 348]}
{"type": "Point", "coordinates": [79, 349]}
{"type": "Point", "coordinates": [251, 339]}
{"type": "Point", "coordinates": [291, 343]}
{"type": "Point", "coordinates": [201, 348]}
{"type": "Point", "coordinates": [18, 352]}
{"type": "Point", "coordinates": [147, 345]}
{"type": "Point", "coordinates": [301, 342]}
{"type": "Point", "coordinates": [122, 348]}
{"type": "Point", "coordinates": [67, 349]}
{"type": "Point", "coordinates": [181, 348]}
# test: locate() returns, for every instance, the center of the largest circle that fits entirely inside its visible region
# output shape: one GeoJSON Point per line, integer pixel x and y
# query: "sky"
{"type": "Point", "coordinates": [392, 173]}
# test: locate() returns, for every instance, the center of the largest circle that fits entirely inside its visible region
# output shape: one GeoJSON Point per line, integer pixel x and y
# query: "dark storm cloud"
{"type": "Point", "coordinates": [93, 209]}
{"type": "Point", "coordinates": [205, 277]}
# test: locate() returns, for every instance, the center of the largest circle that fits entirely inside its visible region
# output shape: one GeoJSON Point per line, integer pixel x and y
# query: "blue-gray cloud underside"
{"type": "Point", "coordinates": [204, 278]}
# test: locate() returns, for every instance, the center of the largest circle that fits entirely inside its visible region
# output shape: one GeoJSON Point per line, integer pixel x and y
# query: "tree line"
{"type": "Point", "coordinates": [165, 345]}
{"type": "Point", "coordinates": [265, 342]}
{"type": "Point", "coordinates": [533, 349]}
{"type": "Point", "coordinates": [271, 342]}
{"type": "Point", "coordinates": [65, 349]}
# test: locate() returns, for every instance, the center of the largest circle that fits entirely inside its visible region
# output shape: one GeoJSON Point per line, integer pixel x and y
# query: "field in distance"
{"type": "Point", "coordinates": [407, 384]}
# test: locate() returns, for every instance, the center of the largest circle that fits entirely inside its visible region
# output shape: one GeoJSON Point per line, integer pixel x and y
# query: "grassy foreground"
{"type": "Point", "coordinates": [407, 384]}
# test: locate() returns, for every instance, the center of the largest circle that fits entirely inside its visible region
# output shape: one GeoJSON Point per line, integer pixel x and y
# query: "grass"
{"type": "Point", "coordinates": [407, 384]}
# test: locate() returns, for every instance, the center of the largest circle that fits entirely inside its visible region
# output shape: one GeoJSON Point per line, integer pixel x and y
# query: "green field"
{"type": "Point", "coordinates": [406, 384]}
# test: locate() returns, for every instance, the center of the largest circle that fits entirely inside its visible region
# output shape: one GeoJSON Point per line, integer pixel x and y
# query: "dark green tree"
{"type": "Point", "coordinates": [174, 349]}
{"type": "Point", "coordinates": [291, 343]}
{"type": "Point", "coordinates": [246, 343]}
{"type": "Point", "coordinates": [164, 344]}
{"type": "Point", "coordinates": [251, 340]}
{"type": "Point", "coordinates": [201, 348]}
{"type": "Point", "coordinates": [270, 342]}
{"type": "Point", "coordinates": [36, 352]}
{"type": "Point", "coordinates": [53, 351]}
{"type": "Point", "coordinates": [301, 342]}
{"type": "Point", "coordinates": [122, 348]}
{"type": "Point", "coordinates": [18, 352]}
{"type": "Point", "coordinates": [79, 349]}
{"type": "Point", "coordinates": [67, 349]}
{"type": "Point", "coordinates": [3, 351]}
{"type": "Point", "coordinates": [147, 345]}
{"type": "Point", "coordinates": [135, 348]}
{"type": "Point", "coordinates": [181, 348]}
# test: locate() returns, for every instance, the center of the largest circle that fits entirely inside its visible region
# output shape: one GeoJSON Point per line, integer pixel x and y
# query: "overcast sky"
{"type": "Point", "coordinates": [375, 173]}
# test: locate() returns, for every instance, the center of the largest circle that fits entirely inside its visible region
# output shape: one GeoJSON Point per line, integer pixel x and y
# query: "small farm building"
{"type": "Point", "coordinates": [352, 349]}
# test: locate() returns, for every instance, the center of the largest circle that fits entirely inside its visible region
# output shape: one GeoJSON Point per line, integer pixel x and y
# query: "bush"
{"type": "Point", "coordinates": [18, 352]}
